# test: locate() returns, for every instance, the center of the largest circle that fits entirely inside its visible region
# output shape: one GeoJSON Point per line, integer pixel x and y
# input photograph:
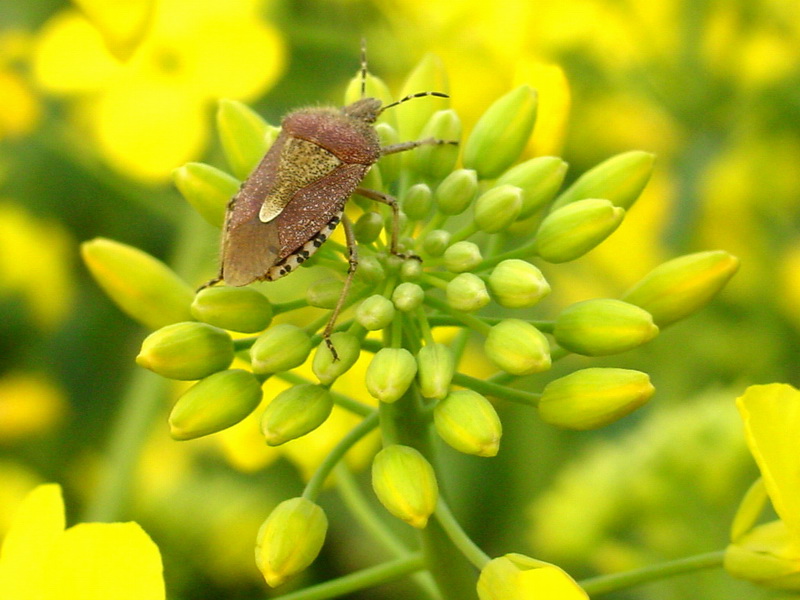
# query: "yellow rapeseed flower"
{"type": "Point", "coordinates": [21, 108]}
{"type": "Point", "coordinates": [29, 405]}
{"type": "Point", "coordinates": [40, 560]}
{"type": "Point", "coordinates": [149, 114]}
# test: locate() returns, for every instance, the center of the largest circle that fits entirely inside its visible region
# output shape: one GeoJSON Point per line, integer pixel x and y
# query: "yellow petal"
{"type": "Point", "coordinates": [147, 130]}
{"type": "Point", "coordinates": [70, 56]}
{"type": "Point", "coordinates": [122, 23]}
{"type": "Point", "coordinates": [771, 415]}
{"type": "Point", "coordinates": [105, 561]}
{"type": "Point", "coordinates": [38, 524]}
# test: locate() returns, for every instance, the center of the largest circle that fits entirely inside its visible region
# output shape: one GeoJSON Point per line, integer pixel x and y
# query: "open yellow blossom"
{"type": "Point", "coordinates": [518, 577]}
{"type": "Point", "coordinates": [40, 560]}
{"type": "Point", "coordinates": [769, 554]}
{"type": "Point", "coordinates": [149, 114]}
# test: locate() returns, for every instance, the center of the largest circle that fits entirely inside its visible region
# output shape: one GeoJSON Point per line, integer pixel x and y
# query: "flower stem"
{"type": "Point", "coordinates": [339, 588]}
{"type": "Point", "coordinates": [488, 388]}
{"type": "Point", "coordinates": [459, 537]}
{"type": "Point", "coordinates": [604, 584]}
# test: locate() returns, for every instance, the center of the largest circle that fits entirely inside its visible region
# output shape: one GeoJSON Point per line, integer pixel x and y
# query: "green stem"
{"type": "Point", "coordinates": [496, 390]}
{"type": "Point", "coordinates": [355, 501]}
{"type": "Point", "coordinates": [316, 482]}
{"type": "Point", "coordinates": [366, 578]}
{"type": "Point", "coordinates": [470, 321]}
{"type": "Point", "coordinates": [459, 537]}
{"type": "Point", "coordinates": [282, 307]}
{"type": "Point", "coordinates": [523, 252]}
{"type": "Point", "coordinates": [597, 586]}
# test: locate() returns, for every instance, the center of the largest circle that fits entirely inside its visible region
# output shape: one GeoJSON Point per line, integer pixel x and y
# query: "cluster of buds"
{"type": "Point", "coordinates": [471, 231]}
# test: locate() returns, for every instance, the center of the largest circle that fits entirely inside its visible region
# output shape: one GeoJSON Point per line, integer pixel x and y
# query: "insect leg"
{"type": "Point", "coordinates": [351, 271]}
{"type": "Point", "coordinates": [385, 199]}
{"type": "Point", "coordinates": [211, 282]}
{"type": "Point", "coordinates": [403, 146]}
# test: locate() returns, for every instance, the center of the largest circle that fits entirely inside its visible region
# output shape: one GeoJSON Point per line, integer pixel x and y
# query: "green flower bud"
{"type": "Point", "coordinates": [571, 231]}
{"type": "Point", "coordinates": [469, 423]}
{"type": "Point", "coordinates": [467, 292]}
{"type": "Point", "coordinates": [280, 348]}
{"type": "Point", "coordinates": [765, 556]}
{"type": "Point", "coordinates": [417, 202]}
{"type": "Point", "coordinates": [234, 308]}
{"type": "Point", "coordinates": [290, 539]}
{"type": "Point", "coordinates": [498, 208]}
{"type": "Point", "coordinates": [295, 412]}
{"type": "Point", "coordinates": [325, 292]}
{"type": "Point", "coordinates": [328, 370]}
{"type": "Point", "coordinates": [437, 161]}
{"type": "Point", "coordinates": [390, 374]}
{"type": "Point", "coordinates": [595, 397]}
{"type": "Point", "coordinates": [405, 484]}
{"type": "Point", "coordinates": [436, 242]}
{"type": "Point", "coordinates": [370, 269]}
{"type": "Point", "coordinates": [517, 347]}
{"type": "Point", "coordinates": [435, 368]}
{"type": "Point", "coordinates": [515, 283]}
{"type": "Point", "coordinates": [186, 351]}
{"type": "Point", "coordinates": [368, 227]}
{"type": "Point", "coordinates": [375, 312]}
{"type": "Point", "coordinates": [207, 189]}
{"type": "Point", "coordinates": [456, 192]}
{"type": "Point", "coordinates": [683, 285]}
{"type": "Point", "coordinates": [519, 577]}
{"type": "Point", "coordinates": [539, 178]}
{"type": "Point", "coordinates": [411, 269]}
{"type": "Point", "coordinates": [462, 256]}
{"type": "Point", "coordinates": [244, 135]}
{"type": "Point", "coordinates": [144, 288]}
{"type": "Point", "coordinates": [501, 133]}
{"type": "Point", "coordinates": [619, 179]}
{"type": "Point", "coordinates": [391, 164]}
{"type": "Point", "coordinates": [603, 326]}
{"type": "Point", "coordinates": [215, 403]}
{"type": "Point", "coordinates": [407, 296]}
{"type": "Point", "coordinates": [428, 75]}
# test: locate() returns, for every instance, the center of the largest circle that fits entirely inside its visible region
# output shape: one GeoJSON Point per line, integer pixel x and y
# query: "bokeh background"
{"type": "Point", "coordinates": [94, 116]}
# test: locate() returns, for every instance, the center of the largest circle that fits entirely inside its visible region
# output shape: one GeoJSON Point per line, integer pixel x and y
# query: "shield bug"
{"type": "Point", "coordinates": [295, 197]}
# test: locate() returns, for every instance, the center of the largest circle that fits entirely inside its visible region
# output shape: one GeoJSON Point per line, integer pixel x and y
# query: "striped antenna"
{"type": "Point", "coordinates": [411, 97]}
{"type": "Point", "coordinates": [363, 67]}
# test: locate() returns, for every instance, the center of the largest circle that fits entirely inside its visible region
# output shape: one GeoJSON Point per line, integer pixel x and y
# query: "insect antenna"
{"type": "Point", "coordinates": [363, 67]}
{"type": "Point", "coordinates": [411, 97]}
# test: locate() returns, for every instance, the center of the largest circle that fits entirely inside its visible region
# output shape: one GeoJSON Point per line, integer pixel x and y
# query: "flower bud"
{"type": "Point", "coordinates": [370, 269]}
{"type": "Point", "coordinates": [234, 308]}
{"type": "Point", "coordinates": [539, 178]}
{"type": "Point", "coordinates": [328, 370]}
{"type": "Point", "coordinates": [368, 227]}
{"type": "Point", "coordinates": [280, 348]}
{"type": "Point", "coordinates": [603, 326]}
{"type": "Point", "coordinates": [390, 374]}
{"type": "Point", "coordinates": [498, 208]}
{"type": "Point", "coordinates": [290, 539]}
{"type": "Point", "coordinates": [515, 283]}
{"type": "Point", "coordinates": [417, 202]}
{"type": "Point", "coordinates": [462, 256]}
{"type": "Point", "coordinates": [467, 292]}
{"type": "Point", "coordinates": [295, 412]}
{"type": "Point", "coordinates": [405, 484]}
{"type": "Point", "coordinates": [571, 231]}
{"type": "Point", "coordinates": [456, 191]}
{"type": "Point", "coordinates": [469, 423]}
{"type": "Point", "coordinates": [594, 397]}
{"type": "Point", "coordinates": [375, 312]}
{"type": "Point", "coordinates": [391, 164]}
{"type": "Point", "coordinates": [215, 403]}
{"type": "Point", "coordinates": [144, 288]}
{"type": "Point", "coordinates": [428, 75]}
{"type": "Point", "coordinates": [435, 368]}
{"type": "Point", "coordinates": [244, 135]}
{"type": "Point", "coordinates": [207, 189]}
{"type": "Point", "coordinates": [619, 179]}
{"type": "Point", "coordinates": [407, 296]}
{"type": "Point", "coordinates": [436, 161]}
{"type": "Point", "coordinates": [518, 577]}
{"type": "Point", "coordinates": [186, 351]}
{"type": "Point", "coordinates": [411, 268]}
{"type": "Point", "coordinates": [683, 285]}
{"type": "Point", "coordinates": [517, 347]}
{"type": "Point", "coordinates": [325, 292]}
{"type": "Point", "coordinates": [501, 133]}
{"type": "Point", "coordinates": [766, 555]}
{"type": "Point", "coordinates": [436, 242]}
